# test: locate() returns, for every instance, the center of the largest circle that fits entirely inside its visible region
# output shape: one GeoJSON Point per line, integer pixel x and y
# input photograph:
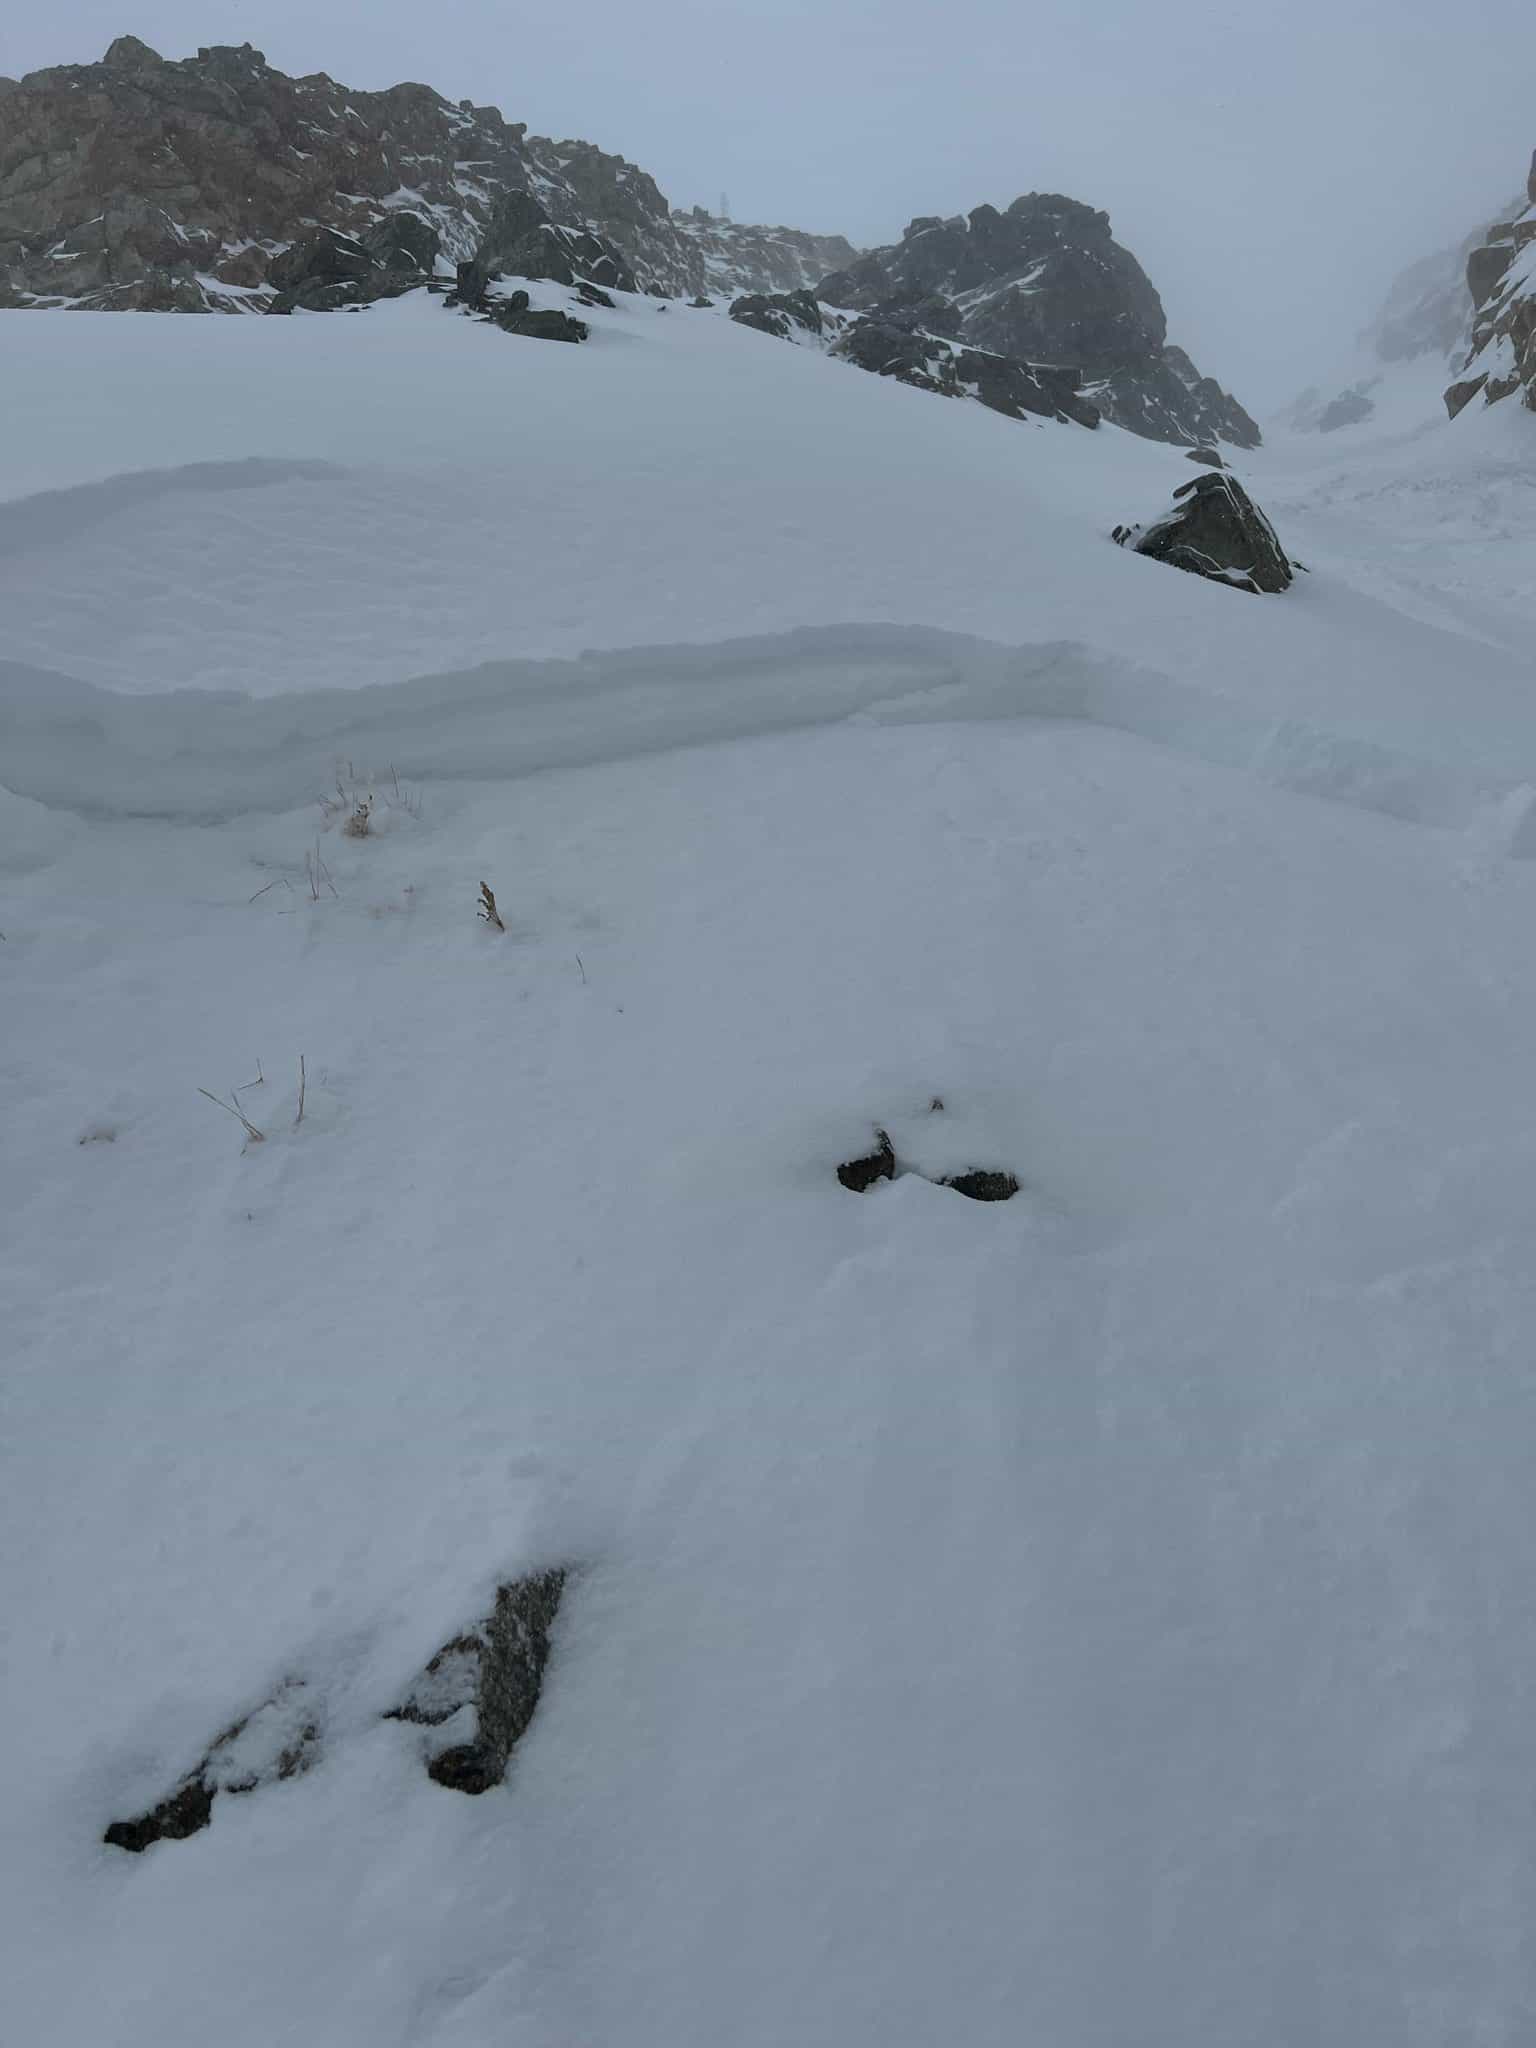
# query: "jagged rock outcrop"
{"type": "Point", "coordinates": [326, 268]}
{"type": "Point", "coordinates": [1216, 530]}
{"type": "Point", "coordinates": [1426, 312]}
{"type": "Point", "coordinates": [1044, 282]}
{"type": "Point", "coordinates": [522, 241]}
{"type": "Point", "coordinates": [1501, 278]}
{"type": "Point", "coordinates": [779, 313]}
{"type": "Point", "coordinates": [143, 183]}
{"type": "Point", "coordinates": [894, 348]}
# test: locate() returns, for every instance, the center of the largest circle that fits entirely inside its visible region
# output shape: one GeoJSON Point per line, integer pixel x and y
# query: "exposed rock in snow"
{"type": "Point", "coordinates": [138, 183]}
{"type": "Point", "coordinates": [736, 257]}
{"type": "Point", "coordinates": [480, 1690]}
{"type": "Point", "coordinates": [522, 241]}
{"type": "Point", "coordinates": [983, 1184]}
{"type": "Point", "coordinates": [1219, 532]}
{"type": "Point", "coordinates": [779, 313]}
{"type": "Point", "coordinates": [515, 315]}
{"type": "Point", "coordinates": [278, 1740]}
{"type": "Point", "coordinates": [1501, 277]}
{"type": "Point", "coordinates": [327, 269]}
{"type": "Point", "coordinates": [892, 346]}
{"type": "Point", "coordinates": [858, 1175]}
{"type": "Point", "coordinates": [483, 1687]}
{"type": "Point", "coordinates": [1045, 282]}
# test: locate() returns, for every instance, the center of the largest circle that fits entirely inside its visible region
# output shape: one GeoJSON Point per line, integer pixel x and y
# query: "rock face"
{"type": "Point", "coordinates": [892, 347]}
{"type": "Point", "coordinates": [521, 240]}
{"type": "Point", "coordinates": [326, 268]}
{"type": "Point", "coordinates": [1501, 278]}
{"type": "Point", "coordinates": [1426, 312]}
{"type": "Point", "coordinates": [1045, 283]}
{"type": "Point", "coordinates": [737, 258]}
{"type": "Point", "coordinates": [140, 183]}
{"type": "Point", "coordinates": [1216, 531]}
{"type": "Point", "coordinates": [779, 313]}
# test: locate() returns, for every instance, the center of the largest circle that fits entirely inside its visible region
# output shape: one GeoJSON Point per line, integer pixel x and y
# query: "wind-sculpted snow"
{"type": "Point", "coordinates": [50, 518]}
{"type": "Point", "coordinates": [199, 758]}
{"type": "Point", "coordinates": [1087, 1616]}
{"type": "Point", "coordinates": [1095, 1617]}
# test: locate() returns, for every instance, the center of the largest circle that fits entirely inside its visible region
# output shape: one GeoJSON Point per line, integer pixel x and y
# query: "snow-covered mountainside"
{"type": "Point", "coordinates": [1089, 1617]}
{"type": "Point", "coordinates": [1045, 282]}
{"type": "Point", "coordinates": [139, 183]}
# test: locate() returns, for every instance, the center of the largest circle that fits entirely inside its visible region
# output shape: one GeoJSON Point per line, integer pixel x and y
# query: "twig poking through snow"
{"type": "Point", "coordinates": [300, 1117]}
{"type": "Point", "coordinates": [255, 1137]}
{"type": "Point", "coordinates": [488, 909]}
{"type": "Point", "coordinates": [583, 971]}
{"type": "Point", "coordinates": [317, 871]}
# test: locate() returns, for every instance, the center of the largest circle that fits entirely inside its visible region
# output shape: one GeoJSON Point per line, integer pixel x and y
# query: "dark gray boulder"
{"type": "Point", "coordinates": [778, 313]}
{"type": "Point", "coordinates": [127, 53]}
{"type": "Point", "coordinates": [549, 325]}
{"type": "Point", "coordinates": [1215, 531]}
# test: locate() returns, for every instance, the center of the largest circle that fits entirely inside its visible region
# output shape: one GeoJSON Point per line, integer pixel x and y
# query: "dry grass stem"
{"type": "Point", "coordinates": [487, 908]}
{"type": "Point", "coordinates": [253, 1135]}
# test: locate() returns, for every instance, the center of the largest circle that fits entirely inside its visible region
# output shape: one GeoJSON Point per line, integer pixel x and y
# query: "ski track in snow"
{"type": "Point", "coordinates": [1103, 1615]}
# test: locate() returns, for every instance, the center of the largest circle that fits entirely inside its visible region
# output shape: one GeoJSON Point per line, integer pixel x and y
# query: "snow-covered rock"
{"type": "Point", "coordinates": [1216, 530]}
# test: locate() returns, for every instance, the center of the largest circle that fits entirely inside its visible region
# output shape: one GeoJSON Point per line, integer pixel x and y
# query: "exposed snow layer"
{"type": "Point", "coordinates": [1094, 1618]}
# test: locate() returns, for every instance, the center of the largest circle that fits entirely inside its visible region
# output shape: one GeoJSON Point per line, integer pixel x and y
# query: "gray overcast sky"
{"type": "Point", "coordinates": [1271, 166]}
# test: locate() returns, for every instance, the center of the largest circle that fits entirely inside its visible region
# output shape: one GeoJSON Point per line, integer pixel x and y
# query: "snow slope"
{"type": "Point", "coordinates": [1102, 1616]}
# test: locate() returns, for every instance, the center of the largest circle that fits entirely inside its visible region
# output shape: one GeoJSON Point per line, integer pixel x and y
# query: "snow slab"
{"type": "Point", "coordinates": [1101, 1616]}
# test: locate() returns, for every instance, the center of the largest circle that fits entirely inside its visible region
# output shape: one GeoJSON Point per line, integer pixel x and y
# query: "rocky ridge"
{"type": "Point", "coordinates": [1426, 312]}
{"type": "Point", "coordinates": [1044, 284]}
{"type": "Point", "coordinates": [1501, 277]}
{"type": "Point", "coordinates": [140, 183]}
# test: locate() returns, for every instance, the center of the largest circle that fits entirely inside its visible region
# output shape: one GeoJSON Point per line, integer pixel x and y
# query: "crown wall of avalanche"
{"type": "Point", "coordinates": [143, 184]}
